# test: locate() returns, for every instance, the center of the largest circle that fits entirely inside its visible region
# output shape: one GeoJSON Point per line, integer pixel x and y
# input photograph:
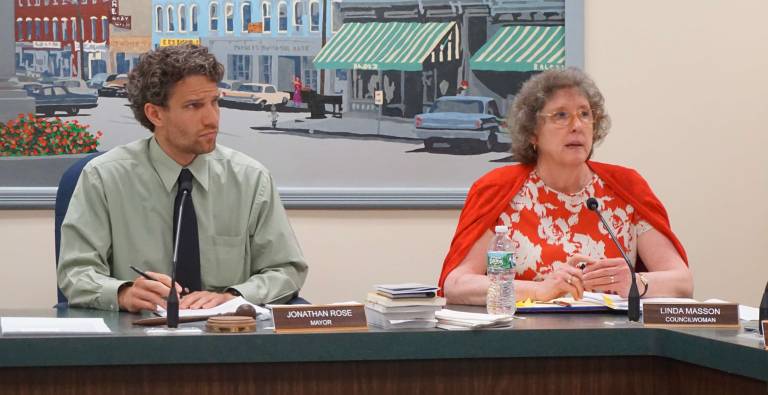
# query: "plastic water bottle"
{"type": "Point", "coordinates": [501, 271]}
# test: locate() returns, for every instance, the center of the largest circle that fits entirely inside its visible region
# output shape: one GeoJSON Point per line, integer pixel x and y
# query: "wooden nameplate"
{"type": "Point", "coordinates": [319, 318]}
{"type": "Point", "coordinates": [699, 315]}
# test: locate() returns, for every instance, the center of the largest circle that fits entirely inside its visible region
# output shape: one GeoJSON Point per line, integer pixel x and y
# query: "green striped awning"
{"type": "Point", "coordinates": [382, 45]}
{"type": "Point", "coordinates": [522, 48]}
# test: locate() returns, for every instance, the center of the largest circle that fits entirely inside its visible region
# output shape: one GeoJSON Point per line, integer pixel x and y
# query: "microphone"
{"type": "Point", "coordinates": [172, 303]}
{"type": "Point", "coordinates": [763, 310]}
{"type": "Point", "coordinates": [633, 313]}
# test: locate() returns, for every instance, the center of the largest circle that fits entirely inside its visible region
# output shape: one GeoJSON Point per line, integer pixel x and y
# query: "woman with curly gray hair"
{"type": "Point", "coordinates": [559, 246]}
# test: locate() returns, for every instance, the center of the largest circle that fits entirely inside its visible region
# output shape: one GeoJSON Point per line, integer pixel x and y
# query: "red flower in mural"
{"type": "Point", "coordinates": [28, 135]}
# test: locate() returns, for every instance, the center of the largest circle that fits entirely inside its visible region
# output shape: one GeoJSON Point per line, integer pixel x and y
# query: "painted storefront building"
{"type": "Point", "coordinates": [268, 42]}
{"type": "Point", "coordinates": [50, 33]}
{"type": "Point", "coordinates": [417, 51]}
{"type": "Point", "coordinates": [130, 34]}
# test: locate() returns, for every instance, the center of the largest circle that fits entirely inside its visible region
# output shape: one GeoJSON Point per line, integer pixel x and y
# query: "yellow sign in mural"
{"type": "Point", "coordinates": [170, 42]}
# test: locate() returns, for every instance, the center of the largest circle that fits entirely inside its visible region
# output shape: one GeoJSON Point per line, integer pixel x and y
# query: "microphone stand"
{"type": "Point", "coordinates": [172, 303]}
{"type": "Point", "coordinates": [633, 312]}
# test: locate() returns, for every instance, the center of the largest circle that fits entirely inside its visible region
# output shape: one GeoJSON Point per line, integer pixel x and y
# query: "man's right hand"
{"type": "Point", "coordinates": [145, 294]}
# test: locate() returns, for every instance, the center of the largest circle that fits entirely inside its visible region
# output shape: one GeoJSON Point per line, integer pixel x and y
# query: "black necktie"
{"type": "Point", "coordinates": [188, 270]}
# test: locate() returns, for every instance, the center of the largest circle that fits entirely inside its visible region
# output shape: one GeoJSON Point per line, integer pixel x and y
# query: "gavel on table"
{"type": "Point", "coordinates": [244, 310]}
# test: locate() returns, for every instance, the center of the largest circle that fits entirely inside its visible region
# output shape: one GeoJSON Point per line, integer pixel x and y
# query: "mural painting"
{"type": "Point", "coordinates": [326, 93]}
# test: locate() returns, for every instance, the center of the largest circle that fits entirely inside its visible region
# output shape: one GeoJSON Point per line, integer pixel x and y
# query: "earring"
{"type": "Point", "coordinates": [534, 147]}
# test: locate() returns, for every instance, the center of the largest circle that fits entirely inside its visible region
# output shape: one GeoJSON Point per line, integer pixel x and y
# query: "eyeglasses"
{"type": "Point", "coordinates": [564, 118]}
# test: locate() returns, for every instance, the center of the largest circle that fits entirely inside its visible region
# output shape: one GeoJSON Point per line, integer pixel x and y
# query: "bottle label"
{"type": "Point", "coordinates": [500, 260]}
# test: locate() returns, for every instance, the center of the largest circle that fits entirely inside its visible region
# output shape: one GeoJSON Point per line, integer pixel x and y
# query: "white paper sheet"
{"type": "Point", "coordinates": [227, 307]}
{"type": "Point", "coordinates": [48, 325]}
{"type": "Point", "coordinates": [612, 301]}
{"type": "Point", "coordinates": [749, 313]}
{"type": "Point", "coordinates": [452, 319]}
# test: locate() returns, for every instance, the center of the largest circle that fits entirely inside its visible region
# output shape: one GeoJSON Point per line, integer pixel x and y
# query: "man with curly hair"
{"type": "Point", "coordinates": [235, 238]}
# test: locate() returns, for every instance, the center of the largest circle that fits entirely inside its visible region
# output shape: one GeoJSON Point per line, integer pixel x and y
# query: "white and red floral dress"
{"type": "Point", "coordinates": [547, 226]}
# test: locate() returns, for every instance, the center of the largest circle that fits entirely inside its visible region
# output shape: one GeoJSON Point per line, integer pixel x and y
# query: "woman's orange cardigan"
{"type": "Point", "coordinates": [491, 194]}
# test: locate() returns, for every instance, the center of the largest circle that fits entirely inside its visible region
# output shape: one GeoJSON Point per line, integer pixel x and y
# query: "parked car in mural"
{"type": "Point", "coordinates": [30, 86]}
{"type": "Point", "coordinates": [98, 80]}
{"type": "Point", "coordinates": [463, 120]}
{"type": "Point", "coordinates": [25, 83]}
{"type": "Point", "coordinates": [114, 86]}
{"type": "Point", "coordinates": [254, 96]}
{"type": "Point", "coordinates": [227, 87]}
{"type": "Point", "coordinates": [50, 99]}
{"type": "Point", "coordinates": [74, 85]}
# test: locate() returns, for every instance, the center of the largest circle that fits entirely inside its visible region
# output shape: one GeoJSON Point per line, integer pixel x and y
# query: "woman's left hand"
{"type": "Point", "coordinates": [608, 275]}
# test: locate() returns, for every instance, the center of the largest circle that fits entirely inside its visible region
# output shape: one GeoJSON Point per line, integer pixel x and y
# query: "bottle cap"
{"type": "Point", "coordinates": [502, 229]}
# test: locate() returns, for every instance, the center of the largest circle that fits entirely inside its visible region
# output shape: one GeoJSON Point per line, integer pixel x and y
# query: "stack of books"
{"type": "Point", "coordinates": [457, 320]}
{"type": "Point", "coordinates": [406, 290]}
{"type": "Point", "coordinates": [403, 306]}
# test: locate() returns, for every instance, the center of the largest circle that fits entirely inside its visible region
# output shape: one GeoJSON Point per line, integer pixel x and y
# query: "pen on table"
{"type": "Point", "coordinates": [184, 291]}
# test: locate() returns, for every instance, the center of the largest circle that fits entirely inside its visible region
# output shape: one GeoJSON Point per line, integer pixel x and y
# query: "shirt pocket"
{"type": "Point", "coordinates": [222, 261]}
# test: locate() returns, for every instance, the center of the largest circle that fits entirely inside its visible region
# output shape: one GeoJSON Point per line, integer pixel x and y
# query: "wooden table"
{"type": "Point", "coordinates": [544, 353]}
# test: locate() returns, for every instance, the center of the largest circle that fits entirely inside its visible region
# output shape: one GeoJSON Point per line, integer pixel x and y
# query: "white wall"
{"type": "Point", "coordinates": [685, 85]}
{"type": "Point", "coordinates": [27, 259]}
{"type": "Point", "coordinates": [347, 250]}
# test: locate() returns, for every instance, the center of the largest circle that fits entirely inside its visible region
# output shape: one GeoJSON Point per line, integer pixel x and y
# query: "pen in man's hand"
{"type": "Point", "coordinates": [184, 292]}
{"type": "Point", "coordinates": [141, 273]}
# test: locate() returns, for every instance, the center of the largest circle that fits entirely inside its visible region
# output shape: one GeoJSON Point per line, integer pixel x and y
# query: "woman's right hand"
{"type": "Point", "coordinates": [565, 279]}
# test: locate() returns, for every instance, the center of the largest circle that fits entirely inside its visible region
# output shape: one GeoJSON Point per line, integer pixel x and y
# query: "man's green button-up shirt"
{"type": "Point", "coordinates": [121, 214]}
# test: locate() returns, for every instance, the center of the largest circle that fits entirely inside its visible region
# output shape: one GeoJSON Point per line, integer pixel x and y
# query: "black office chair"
{"type": "Point", "coordinates": [64, 195]}
{"type": "Point", "coordinates": [298, 300]}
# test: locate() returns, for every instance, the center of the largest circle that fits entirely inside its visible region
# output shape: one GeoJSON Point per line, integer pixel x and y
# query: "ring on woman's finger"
{"type": "Point", "coordinates": [613, 279]}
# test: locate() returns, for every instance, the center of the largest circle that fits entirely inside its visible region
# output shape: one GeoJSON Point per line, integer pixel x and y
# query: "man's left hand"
{"type": "Point", "coordinates": [204, 300]}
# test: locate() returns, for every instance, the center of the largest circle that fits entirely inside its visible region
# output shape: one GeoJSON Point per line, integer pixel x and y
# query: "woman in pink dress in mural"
{"type": "Point", "coordinates": [297, 90]}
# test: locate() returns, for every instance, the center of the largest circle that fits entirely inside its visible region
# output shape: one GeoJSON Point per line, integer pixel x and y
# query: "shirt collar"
{"type": "Point", "coordinates": [169, 170]}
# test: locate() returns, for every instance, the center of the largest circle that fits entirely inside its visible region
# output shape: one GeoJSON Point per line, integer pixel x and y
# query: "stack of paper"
{"type": "Point", "coordinates": [406, 290]}
{"type": "Point", "coordinates": [592, 301]}
{"type": "Point", "coordinates": [456, 320]}
{"type": "Point", "coordinates": [392, 313]}
{"type": "Point", "coordinates": [615, 302]}
{"type": "Point", "coordinates": [229, 306]}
